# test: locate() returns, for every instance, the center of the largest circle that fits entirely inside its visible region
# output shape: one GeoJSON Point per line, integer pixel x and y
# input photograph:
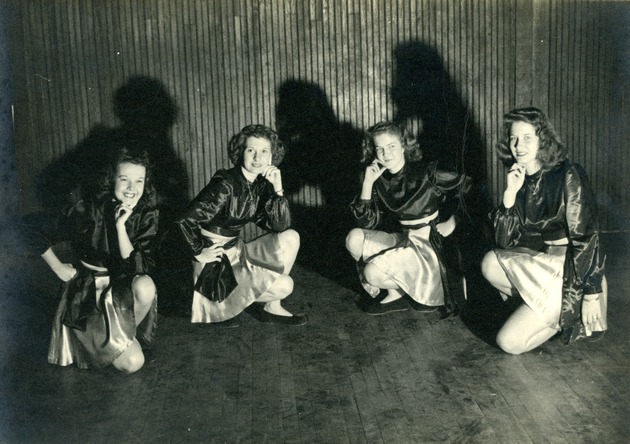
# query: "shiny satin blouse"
{"type": "Point", "coordinates": [91, 228]}
{"type": "Point", "coordinates": [418, 190]}
{"type": "Point", "coordinates": [229, 202]}
{"type": "Point", "coordinates": [554, 205]}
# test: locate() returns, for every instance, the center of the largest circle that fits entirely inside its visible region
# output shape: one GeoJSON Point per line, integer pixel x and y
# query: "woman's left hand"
{"type": "Point", "coordinates": [591, 313]}
{"type": "Point", "coordinates": [272, 174]}
{"type": "Point", "coordinates": [447, 227]}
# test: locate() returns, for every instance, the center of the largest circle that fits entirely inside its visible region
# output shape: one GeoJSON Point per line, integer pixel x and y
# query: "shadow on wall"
{"type": "Point", "coordinates": [147, 113]}
{"type": "Point", "coordinates": [323, 154]}
{"type": "Point", "coordinates": [427, 101]}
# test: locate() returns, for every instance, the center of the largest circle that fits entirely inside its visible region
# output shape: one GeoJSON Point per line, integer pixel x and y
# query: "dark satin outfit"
{"type": "Point", "coordinates": [549, 247]}
{"type": "Point", "coordinates": [418, 196]}
{"type": "Point", "coordinates": [95, 319]}
{"type": "Point", "coordinates": [217, 216]}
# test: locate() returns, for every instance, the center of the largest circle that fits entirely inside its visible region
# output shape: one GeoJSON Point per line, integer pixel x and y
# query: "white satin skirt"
{"type": "Point", "coordinates": [537, 277]}
{"type": "Point", "coordinates": [408, 259]}
{"type": "Point", "coordinates": [256, 265]}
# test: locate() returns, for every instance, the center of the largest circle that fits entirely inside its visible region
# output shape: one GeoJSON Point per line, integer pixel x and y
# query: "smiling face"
{"type": "Point", "coordinates": [524, 145]}
{"type": "Point", "coordinates": [389, 151]}
{"type": "Point", "coordinates": [257, 155]}
{"type": "Point", "coordinates": [129, 183]}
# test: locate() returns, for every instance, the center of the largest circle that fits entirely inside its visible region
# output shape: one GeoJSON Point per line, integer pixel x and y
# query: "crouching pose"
{"type": "Point", "coordinates": [548, 247]}
{"type": "Point", "coordinates": [108, 307]}
{"type": "Point", "coordinates": [230, 274]}
{"type": "Point", "coordinates": [412, 259]}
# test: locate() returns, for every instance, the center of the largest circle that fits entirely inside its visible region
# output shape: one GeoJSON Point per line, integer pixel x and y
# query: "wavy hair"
{"type": "Point", "coordinates": [407, 140]}
{"type": "Point", "coordinates": [551, 150]}
{"type": "Point", "coordinates": [121, 155]}
{"type": "Point", "coordinates": [238, 143]}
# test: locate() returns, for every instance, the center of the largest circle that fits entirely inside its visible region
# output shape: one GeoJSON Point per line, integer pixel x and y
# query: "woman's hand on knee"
{"type": "Point", "coordinates": [213, 253]}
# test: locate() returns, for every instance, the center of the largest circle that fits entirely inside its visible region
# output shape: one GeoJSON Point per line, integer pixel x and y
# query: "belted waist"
{"type": "Point", "coordinates": [419, 223]}
{"type": "Point", "coordinates": [100, 270]}
{"type": "Point", "coordinates": [558, 242]}
{"type": "Point", "coordinates": [220, 239]}
{"type": "Point", "coordinates": [221, 231]}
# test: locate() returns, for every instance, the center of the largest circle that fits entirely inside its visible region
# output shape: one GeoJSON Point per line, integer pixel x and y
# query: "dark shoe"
{"type": "Point", "coordinates": [229, 323]}
{"type": "Point", "coordinates": [377, 309]}
{"type": "Point", "coordinates": [265, 316]}
{"type": "Point", "coordinates": [421, 307]}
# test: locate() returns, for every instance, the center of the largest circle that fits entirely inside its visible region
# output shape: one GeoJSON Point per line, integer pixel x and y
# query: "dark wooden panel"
{"type": "Point", "coordinates": [224, 62]}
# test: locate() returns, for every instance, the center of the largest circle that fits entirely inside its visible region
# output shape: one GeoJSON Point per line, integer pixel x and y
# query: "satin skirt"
{"type": "Point", "coordinates": [537, 277]}
{"type": "Point", "coordinates": [408, 259]}
{"type": "Point", "coordinates": [108, 333]}
{"type": "Point", "coordinates": [256, 265]}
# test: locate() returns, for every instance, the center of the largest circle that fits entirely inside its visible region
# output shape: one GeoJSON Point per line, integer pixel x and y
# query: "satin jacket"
{"type": "Point", "coordinates": [418, 190]}
{"type": "Point", "coordinates": [229, 202]}
{"type": "Point", "coordinates": [553, 205]}
{"type": "Point", "coordinates": [91, 229]}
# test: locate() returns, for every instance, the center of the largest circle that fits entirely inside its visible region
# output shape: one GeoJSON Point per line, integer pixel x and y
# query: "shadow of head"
{"type": "Point", "coordinates": [143, 103]}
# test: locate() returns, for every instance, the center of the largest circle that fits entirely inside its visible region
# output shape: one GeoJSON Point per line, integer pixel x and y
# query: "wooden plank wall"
{"type": "Point", "coordinates": [224, 61]}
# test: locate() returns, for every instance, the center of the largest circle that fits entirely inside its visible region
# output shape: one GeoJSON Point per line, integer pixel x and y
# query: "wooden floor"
{"type": "Point", "coordinates": [344, 378]}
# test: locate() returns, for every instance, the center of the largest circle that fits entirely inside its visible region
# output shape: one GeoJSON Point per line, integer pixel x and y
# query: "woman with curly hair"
{"type": "Point", "coordinates": [230, 274]}
{"type": "Point", "coordinates": [546, 233]}
{"type": "Point", "coordinates": [411, 260]}
{"type": "Point", "coordinates": [108, 304]}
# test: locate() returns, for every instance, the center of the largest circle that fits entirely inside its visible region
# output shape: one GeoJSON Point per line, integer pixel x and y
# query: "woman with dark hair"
{"type": "Point", "coordinates": [230, 274]}
{"type": "Point", "coordinates": [423, 200]}
{"type": "Point", "coordinates": [108, 305]}
{"type": "Point", "coordinates": [546, 232]}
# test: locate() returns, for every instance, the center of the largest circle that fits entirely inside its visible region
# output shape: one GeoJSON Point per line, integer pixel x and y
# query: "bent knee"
{"type": "Point", "coordinates": [373, 275]}
{"type": "Point", "coordinates": [144, 289]}
{"type": "Point", "coordinates": [131, 361]}
{"type": "Point", "coordinates": [290, 239]}
{"type": "Point", "coordinates": [489, 265]}
{"type": "Point", "coordinates": [510, 343]}
{"type": "Point", "coordinates": [354, 242]}
{"type": "Point", "coordinates": [283, 286]}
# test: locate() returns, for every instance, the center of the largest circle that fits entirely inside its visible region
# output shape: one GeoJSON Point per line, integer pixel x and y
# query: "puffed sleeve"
{"type": "Point", "coordinates": [142, 257]}
{"type": "Point", "coordinates": [366, 212]}
{"type": "Point", "coordinates": [277, 215]}
{"type": "Point", "coordinates": [203, 209]}
{"type": "Point", "coordinates": [506, 226]}
{"type": "Point", "coordinates": [453, 187]}
{"type": "Point", "coordinates": [582, 229]}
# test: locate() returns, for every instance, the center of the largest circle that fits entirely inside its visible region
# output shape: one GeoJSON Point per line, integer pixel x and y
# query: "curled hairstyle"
{"type": "Point", "coordinates": [551, 150]}
{"type": "Point", "coordinates": [407, 140]}
{"type": "Point", "coordinates": [121, 155]}
{"type": "Point", "coordinates": [238, 143]}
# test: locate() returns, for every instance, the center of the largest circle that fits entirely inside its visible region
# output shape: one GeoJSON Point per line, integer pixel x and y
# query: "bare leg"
{"type": "Point", "coordinates": [283, 286]}
{"type": "Point", "coordinates": [290, 244]}
{"type": "Point", "coordinates": [354, 243]}
{"type": "Point", "coordinates": [495, 274]}
{"type": "Point", "coordinates": [376, 277]}
{"type": "Point", "coordinates": [144, 293]}
{"type": "Point", "coordinates": [523, 331]}
{"type": "Point", "coordinates": [131, 360]}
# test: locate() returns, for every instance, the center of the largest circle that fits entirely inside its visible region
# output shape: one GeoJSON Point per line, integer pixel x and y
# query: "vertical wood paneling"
{"type": "Point", "coordinates": [223, 62]}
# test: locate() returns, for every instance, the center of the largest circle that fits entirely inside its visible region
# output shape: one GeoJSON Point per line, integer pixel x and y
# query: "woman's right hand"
{"type": "Point", "coordinates": [515, 179]}
{"type": "Point", "coordinates": [373, 172]}
{"type": "Point", "coordinates": [65, 272]}
{"type": "Point", "coordinates": [213, 253]}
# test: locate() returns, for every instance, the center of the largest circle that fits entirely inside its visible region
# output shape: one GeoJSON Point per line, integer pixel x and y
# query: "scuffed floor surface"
{"type": "Point", "coordinates": [344, 378]}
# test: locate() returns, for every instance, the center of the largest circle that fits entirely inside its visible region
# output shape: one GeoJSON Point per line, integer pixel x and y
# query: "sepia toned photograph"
{"type": "Point", "coordinates": [314, 221]}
